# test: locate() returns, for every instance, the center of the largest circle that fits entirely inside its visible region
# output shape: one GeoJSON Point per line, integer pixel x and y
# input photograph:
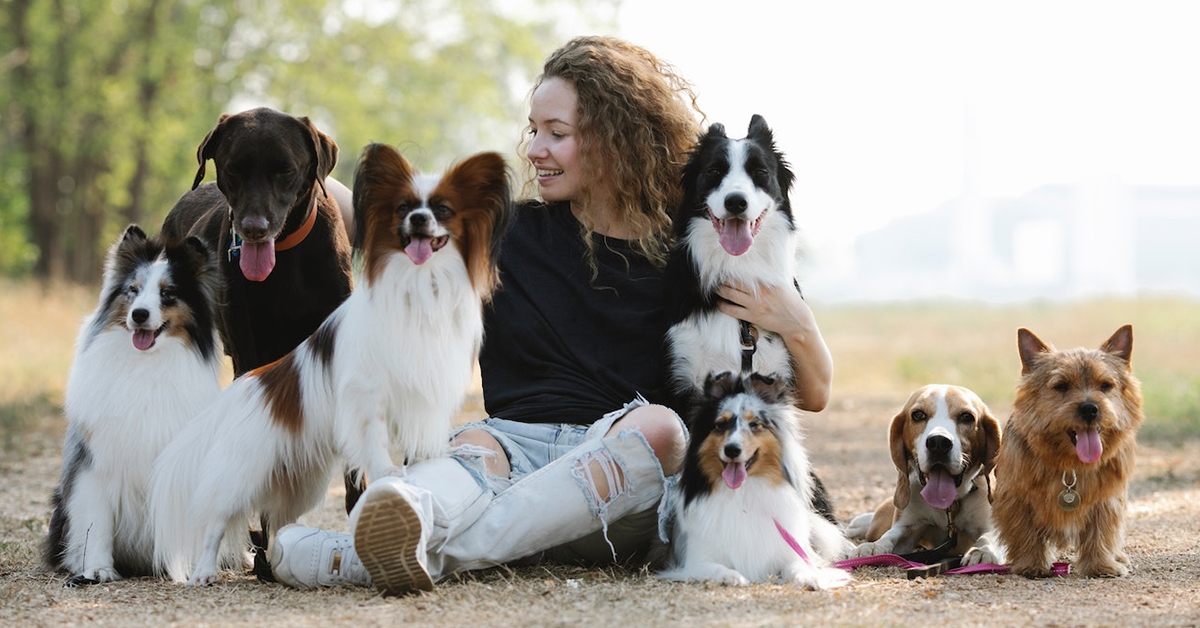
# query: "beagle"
{"type": "Point", "coordinates": [944, 444]}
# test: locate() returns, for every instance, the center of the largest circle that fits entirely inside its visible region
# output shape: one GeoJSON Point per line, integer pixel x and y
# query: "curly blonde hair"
{"type": "Point", "coordinates": [637, 119]}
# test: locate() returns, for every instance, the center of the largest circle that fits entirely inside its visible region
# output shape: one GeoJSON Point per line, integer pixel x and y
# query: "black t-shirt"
{"type": "Point", "coordinates": [559, 346]}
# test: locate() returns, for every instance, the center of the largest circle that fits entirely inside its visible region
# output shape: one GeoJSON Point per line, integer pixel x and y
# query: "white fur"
{"type": "Point", "coordinates": [124, 405]}
{"type": "Point", "coordinates": [403, 355]}
{"type": "Point", "coordinates": [921, 522]}
{"type": "Point", "coordinates": [730, 535]}
{"type": "Point", "coordinates": [706, 343]}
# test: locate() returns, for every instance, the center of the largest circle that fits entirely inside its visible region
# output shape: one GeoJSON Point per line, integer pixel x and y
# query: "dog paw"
{"type": "Point", "coordinates": [202, 579]}
{"type": "Point", "coordinates": [980, 556]}
{"type": "Point", "coordinates": [97, 575]}
{"type": "Point", "coordinates": [822, 578]}
{"type": "Point", "coordinates": [869, 549]}
{"type": "Point", "coordinates": [1103, 569]}
{"type": "Point", "coordinates": [729, 578]}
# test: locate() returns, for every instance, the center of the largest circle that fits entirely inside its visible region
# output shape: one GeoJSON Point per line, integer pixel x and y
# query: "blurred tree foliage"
{"type": "Point", "coordinates": [103, 102]}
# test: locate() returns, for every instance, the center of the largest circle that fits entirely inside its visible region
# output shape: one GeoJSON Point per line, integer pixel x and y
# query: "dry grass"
{"type": "Point", "coordinates": [881, 353]}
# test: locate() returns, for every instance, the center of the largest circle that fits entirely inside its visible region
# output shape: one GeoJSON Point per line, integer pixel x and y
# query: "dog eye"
{"type": "Point", "coordinates": [721, 427]}
{"type": "Point", "coordinates": [132, 291]}
{"type": "Point", "coordinates": [1062, 387]}
{"type": "Point", "coordinates": [442, 211]}
{"type": "Point", "coordinates": [755, 426]}
{"type": "Point", "coordinates": [1106, 386]}
{"type": "Point", "coordinates": [167, 295]}
{"type": "Point", "coordinates": [966, 418]}
{"type": "Point", "coordinates": [919, 415]}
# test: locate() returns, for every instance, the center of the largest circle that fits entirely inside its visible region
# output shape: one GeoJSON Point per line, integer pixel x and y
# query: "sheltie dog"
{"type": "Point", "coordinates": [146, 362]}
{"type": "Point", "coordinates": [743, 506]}
{"type": "Point", "coordinates": [734, 224]}
{"type": "Point", "coordinates": [390, 366]}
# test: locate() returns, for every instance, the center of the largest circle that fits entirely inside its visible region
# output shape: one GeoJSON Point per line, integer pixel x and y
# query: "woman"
{"type": "Point", "coordinates": [573, 461]}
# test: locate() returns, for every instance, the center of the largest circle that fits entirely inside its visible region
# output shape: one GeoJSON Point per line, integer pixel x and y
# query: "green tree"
{"type": "Point", "coordinates": [105, 101]}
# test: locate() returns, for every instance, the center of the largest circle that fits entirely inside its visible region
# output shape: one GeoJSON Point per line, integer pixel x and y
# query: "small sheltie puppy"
{"type": "Point", "coordinates": [743, 508]}
{"type": "Point", "coordinates": [1068, 453]}
{"type": "Point", "coordinates": [390, 366]}
{"type": "Point", "coordinates": [734, 224]}
{"type": "Point", "coordinates": [146, 361]}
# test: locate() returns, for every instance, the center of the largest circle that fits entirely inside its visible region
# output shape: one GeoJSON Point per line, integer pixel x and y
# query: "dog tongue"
{"type": "Point", "coordinates": [734, 474]}
{"type": "Point", "coordinates": [1088, 446]}
{"type": "Point", "coordinates": [258, 259]}
{"type": "Point", "coordinates": [419, 250]}
{"type": "Point", "coordinates": [735, 236]}
{"type": "Point", "coordinates": [143, 339]}
{"type": "Point", "coordinates": [939, 490]}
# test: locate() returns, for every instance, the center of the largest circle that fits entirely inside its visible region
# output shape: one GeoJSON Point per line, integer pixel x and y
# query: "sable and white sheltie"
{"type": "Point", "coordinates": [146, 361]}
{"type": "Point", "coordinates": [734, 224]}
{"type": "Point", "coordinates": [743, 507]}
{"type": "Point", "coordinates": [390, 365]}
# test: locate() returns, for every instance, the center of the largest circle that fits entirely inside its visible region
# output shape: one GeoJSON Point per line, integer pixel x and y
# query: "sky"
{"type": "Point", "coordinates": [890, 108]}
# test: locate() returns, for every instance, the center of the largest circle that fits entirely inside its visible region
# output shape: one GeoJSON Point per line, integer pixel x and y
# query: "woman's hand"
{"type": "Point", "coordinates": [781, 309]}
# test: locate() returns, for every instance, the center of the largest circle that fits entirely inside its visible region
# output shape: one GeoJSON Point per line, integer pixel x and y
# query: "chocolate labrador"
{"type": "Point", "coordinates": [279, 233]}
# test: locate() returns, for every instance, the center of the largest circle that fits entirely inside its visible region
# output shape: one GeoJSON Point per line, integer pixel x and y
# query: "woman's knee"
{"type": "Point", "coordinates": [662, 430]}
{"type": "Point", "coordinates": [497, 464]}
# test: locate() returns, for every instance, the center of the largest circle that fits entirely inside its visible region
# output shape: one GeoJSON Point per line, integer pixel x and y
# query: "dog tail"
{"type": "Point", "coordinates": [176, 512]}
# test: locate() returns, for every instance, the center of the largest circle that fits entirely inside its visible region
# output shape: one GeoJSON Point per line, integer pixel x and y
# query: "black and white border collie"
{"type": "Point", "coordinates": [734, 224]}
{"type": "Point", "coordinates": [146, 362]}
{"type": "Point", "coordinates": [391, 365]}
{"type": "Point", "coordinates": [743, 506]}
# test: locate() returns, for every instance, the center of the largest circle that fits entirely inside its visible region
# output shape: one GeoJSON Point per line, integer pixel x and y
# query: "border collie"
{"type": "Point", "coordinates": [146, 362]}
{"type": "Point", "coordinates": [743, 506]}
{"type": "Point", "coordinates": [734, 224]}
{"type": "Point", "coordinates": [391, 365]}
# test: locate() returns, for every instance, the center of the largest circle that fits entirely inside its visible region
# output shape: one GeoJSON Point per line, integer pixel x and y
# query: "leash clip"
{"type": "Point", "coordinates": [235, 245]}
{"type": "Point", "coordinates": [749, 342]}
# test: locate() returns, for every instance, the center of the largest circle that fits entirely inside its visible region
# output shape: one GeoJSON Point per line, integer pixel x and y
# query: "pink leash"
{"type": "Point", "coordinates": [892, 560]}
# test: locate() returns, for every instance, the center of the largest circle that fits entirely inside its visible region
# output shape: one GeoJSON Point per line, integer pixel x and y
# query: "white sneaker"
{"type": "Point", "coordinates": [305, 558]}
{"type": "Point", "coordinates": [388, 539]}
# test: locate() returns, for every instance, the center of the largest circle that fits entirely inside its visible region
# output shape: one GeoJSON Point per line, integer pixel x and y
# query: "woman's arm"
{"type": "Point", "coordinates": [782, 310]}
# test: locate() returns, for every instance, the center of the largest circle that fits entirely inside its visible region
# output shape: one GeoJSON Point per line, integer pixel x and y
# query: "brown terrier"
{"type": "Point", "coordinates": [1067, 455]}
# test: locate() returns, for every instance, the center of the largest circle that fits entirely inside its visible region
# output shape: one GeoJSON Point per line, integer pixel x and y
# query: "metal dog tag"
{"type": "Point", "coordinates": [1068, 499]}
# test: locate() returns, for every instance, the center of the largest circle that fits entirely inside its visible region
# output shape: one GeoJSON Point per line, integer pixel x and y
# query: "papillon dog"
{"type": "Point", "coordinates": [743, 508]}
{"type": "Point", "coordinates": [146, 361]}
{"type": "Point", "coordinates": [389, 368]}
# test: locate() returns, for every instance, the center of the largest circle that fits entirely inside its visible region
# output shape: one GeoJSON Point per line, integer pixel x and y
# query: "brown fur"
{"type": "Point", "coordinates": [980, 441]}
{"type": "Point", "coordinates": [1038, 449]}
{"type": "Point", "coordinates": [281, 388]}
{"type": "Point", "coordinates": [767, 457]}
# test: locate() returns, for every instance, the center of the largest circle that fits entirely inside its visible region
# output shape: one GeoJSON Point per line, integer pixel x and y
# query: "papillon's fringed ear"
{"type": "Point", "coordinates": [483, 182]}
{"type": "Point", "coordinates": [380, 172]}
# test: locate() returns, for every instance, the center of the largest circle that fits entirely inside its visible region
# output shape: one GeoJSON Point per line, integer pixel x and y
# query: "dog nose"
{"type": "Point", "coordinates": [254, 227]}
{"type": "Point", "coordinates": [735, 204]}
{"type": "Point", "coordinates": [140, 315]}
{"type": "Point", "coordinates": [733, 451]}
{"type": "Point", "coordinates": [1088, 411]}
{"type": "Point", "coordinates": [938, 445]}
{"type": "Point", "coordinates": [418, 221]}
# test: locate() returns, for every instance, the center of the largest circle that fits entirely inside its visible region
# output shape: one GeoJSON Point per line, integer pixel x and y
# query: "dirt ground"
{"type": "Point", "coordinates": [847, 444]}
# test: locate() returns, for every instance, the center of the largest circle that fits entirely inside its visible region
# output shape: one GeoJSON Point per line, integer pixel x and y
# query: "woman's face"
{"type": "Point", "coordinates": [554, 143]}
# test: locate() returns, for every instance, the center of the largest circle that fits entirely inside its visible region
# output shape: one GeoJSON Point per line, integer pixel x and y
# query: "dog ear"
{"type": "Point", "coordinates": [990, 445]}
{"type": "Point", "coordinates": [208, 146]}
{"type": "Point", "coordinates": [1120, 344]}
{"type": "Point", "coordinates": [1030, 347]}
{"type": "Point", "coordinates": [759, 131]}
{"type": "Point", "coordinates": [324, 152]}
{"type": "Point", "coordinates": [133, 233]}
{"type": "Point", "coordinates": [720, 385]}
{"type": "Point", "coordinates": [900, 457]}
{"type": "Point", "coordinates": [769, 388]}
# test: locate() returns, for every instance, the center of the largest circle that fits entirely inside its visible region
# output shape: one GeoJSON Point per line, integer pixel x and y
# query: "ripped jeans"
{"type": "Point", "coordinates": [550, 508]}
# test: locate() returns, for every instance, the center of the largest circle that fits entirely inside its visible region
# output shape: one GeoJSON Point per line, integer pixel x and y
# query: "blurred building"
{"type": "Point", "coordinates": [1055, 242]}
